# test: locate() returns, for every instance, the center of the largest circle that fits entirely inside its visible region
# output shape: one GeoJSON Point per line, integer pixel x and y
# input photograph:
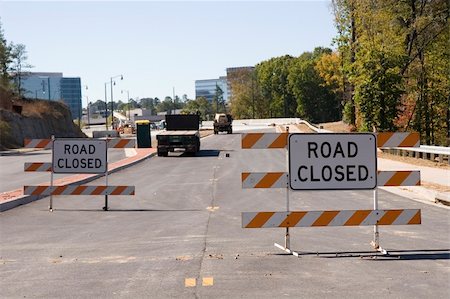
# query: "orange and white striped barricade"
{"type": "Point", "coordinates": [38, 143]}
{"type": "Point", "coordinates": [398, 178]}
{"type": "Point", "coordinates": [280, 179]}
{"type": "Point", "coordinates": [87, 152]}
{"type": "Point", "coordinates": [277, 180]}
{"type": "Point", "coordinates": [398, 139]}
{"type": "Point", "coordinates": [330, 218]}
{"type": "Point", "coordinates": [390, 178]}
{"type": "Point", "coordinates": [264, 140]}
{"type": "Point", "coordinates": [373, 217]}
{"type": "Point", "coordinates": [280, 140]}
{"type": "Point", "coordinates": [78, 190]}
{"type": "Point", "coordinates": [121, 143]}
{"type": "Point", "coordinates": [38, 167]}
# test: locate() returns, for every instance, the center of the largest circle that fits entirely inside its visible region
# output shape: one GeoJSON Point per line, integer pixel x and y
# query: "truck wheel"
{"type": "Point", "coordinates": [162, 154]}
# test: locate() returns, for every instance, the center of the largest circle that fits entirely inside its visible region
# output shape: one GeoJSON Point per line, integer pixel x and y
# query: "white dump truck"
{"type": "Point", "coordinates": [222, 123]}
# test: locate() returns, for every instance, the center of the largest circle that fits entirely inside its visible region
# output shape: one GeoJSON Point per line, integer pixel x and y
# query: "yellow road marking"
{"type": "Point", "coordinates": [212, 209]}
{"type": "Point", "coordinates": [207, 281]}
{"type": "Point", "coordinates": [190, 282]}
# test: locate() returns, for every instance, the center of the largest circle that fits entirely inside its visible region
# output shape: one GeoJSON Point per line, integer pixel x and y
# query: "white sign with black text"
{"type": "Point", "coordinates": [79, 156]}
{"type": "Point", "coordinates": [332, 161]}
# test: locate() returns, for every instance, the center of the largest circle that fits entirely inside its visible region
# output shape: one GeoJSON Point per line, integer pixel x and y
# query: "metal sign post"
{"type": "Point", "coordinates": [376, 235]}
{"type": "Point", "coordinates": [105, 208]}
{"type": "Point", "coordinates": [287, 237]}
{"type": "Point", "coordinates": [287, 241]}
{"type": "Point", "coordinates": [50, 208]}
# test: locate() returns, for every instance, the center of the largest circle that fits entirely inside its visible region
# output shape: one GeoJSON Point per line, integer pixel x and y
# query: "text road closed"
{"type": "Point", "coordinates": [79, 156]}
{"type": "Point", "coordinates": [332, 161]}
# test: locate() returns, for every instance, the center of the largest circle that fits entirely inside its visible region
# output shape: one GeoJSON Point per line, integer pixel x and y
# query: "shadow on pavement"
{"type": "Point", "coordinates": [200, 154]}
{"type": "Point", "coordinates": [123, 210]}
{"type": "Point", "coordinates": [393, 255]}
{"type": "Point", "coordinates": [25, 154]}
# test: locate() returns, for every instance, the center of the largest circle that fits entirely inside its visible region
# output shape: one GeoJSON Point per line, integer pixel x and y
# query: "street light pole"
{"type": "Point", "coordinates": [106, 109]}
{"type": "Point", "coordinates": [112, 99]}
{"type": "Point", "coordinates": [48, 80]}
{"type": "Point", "coordinates": [87, 107]}
{"type": "Point", "coordinates": [128, 94]}
{"type": "Point", "coordinates": [88, 113]}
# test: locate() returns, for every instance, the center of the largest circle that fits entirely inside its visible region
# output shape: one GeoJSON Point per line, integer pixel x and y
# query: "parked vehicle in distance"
{"type": "Point", "coordinates": [182, 132]}
{"type": "Point", "coordinates": [223, 123]}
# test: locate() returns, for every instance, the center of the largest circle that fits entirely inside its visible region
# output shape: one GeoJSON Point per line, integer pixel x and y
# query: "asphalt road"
{"type": "Point", "coordinates": [12, 175]}
{"type": "Point", "coordinates": [184, 226]}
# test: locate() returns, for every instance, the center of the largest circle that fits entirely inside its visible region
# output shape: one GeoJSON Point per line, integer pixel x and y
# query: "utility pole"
{"type": "Point", "coordinates": [173, 89]}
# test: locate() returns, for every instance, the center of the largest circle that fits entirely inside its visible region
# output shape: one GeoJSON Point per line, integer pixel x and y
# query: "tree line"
{"type": "Point", "coordinates": [285, 87]}
{"type": "Point", "coordinates": [395, 64]}
{"type": "Point", "coordinates": [206, 109]}
{"type": "Point", "coordinates": [390, 72]}
{"type": "Point", "coordinates": [13, 63]}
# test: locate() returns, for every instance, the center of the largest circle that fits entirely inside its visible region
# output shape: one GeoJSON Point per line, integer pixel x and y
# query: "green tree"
{"type": "Point", "coordinates": [218, 100]}
{"type": "Point", "coordinates": [148, 103]}
{"type": "Point", "coordinates": [5, 60]}
{"type": "Point", "coordinates": [315, 100]}
{"type": "Point", "coordinates": [273, 83]}
{"type": "Point", "coordinates": [395, 55]}
{"type": "Point", "coordinates": [329, 69]}
{"type": "Point", "coordinates": [165, 106]}
{"type": "Point", "coordinates": [346, 41]}
{"type": "Point", "coordinates": [19, 65]}
{"type": "Point", "coordinates": [201, 106]}
{"type": "Point", "coordinates": [246, 101]}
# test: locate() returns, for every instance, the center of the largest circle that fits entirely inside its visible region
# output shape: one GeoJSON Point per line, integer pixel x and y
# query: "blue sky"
{"type": "Point", "coordinates": [158, 46]}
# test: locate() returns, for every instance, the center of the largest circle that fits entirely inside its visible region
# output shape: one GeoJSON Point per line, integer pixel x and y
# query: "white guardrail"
{"type": "Point", "coordinates": [428, 152]}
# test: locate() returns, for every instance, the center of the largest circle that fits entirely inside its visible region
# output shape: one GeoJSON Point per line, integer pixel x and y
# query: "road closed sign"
{"type": "Point", "coordinates": [79, 156]}
{"type": "Point", "coordinates": [332, 161]}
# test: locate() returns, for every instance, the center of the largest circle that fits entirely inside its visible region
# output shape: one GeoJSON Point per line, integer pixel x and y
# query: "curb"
{"type": "Point", "coordinates": [25, 199]}
{"type": "Point", "coordinates": [442, 198]}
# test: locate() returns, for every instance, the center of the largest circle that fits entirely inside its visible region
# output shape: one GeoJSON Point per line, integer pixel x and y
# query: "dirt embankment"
{"type": "Point", "coordinates": [24, 118]}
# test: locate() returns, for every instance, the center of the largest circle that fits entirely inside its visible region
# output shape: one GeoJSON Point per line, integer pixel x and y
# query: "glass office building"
{"type": "Point", "coordinates": [207, 88]}
{"type": "Point", "coordinates": [54, 87]}
{"type": "Point", "coordinates": [71, 95]}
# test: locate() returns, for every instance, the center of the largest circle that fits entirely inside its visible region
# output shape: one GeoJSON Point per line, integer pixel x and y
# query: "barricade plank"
{"type": "Point", "coordinates": [398, 139]}
{"type": "Point", "coordinates": [38, 167]}
{"type": "Point", "coordinates": [330, 218]}
{"type": "Point", "coordinates": [38, 143]}
{"type": "Point", "coordinates": [78, 190]}
{"type": "Point", "coordinates": [398, 178]}
{"type": "Point", "coordinates": [280, 179]}
{"type": "Point", "coordinates": [121, 143]}
{"type": "Point", "coordinates": [264, 140]}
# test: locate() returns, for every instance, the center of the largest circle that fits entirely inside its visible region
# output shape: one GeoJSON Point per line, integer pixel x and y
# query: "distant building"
{"type": "Point", "coordinates": [71, 95]}
{"type": "Point", "coordinates": [139, 114]}
{"type": "Point", "coordinates": [207, 88]}
{"type": "Point", "coordinates": [231, 70]}
{"type": "Point", "coordinates": [54, 87]}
